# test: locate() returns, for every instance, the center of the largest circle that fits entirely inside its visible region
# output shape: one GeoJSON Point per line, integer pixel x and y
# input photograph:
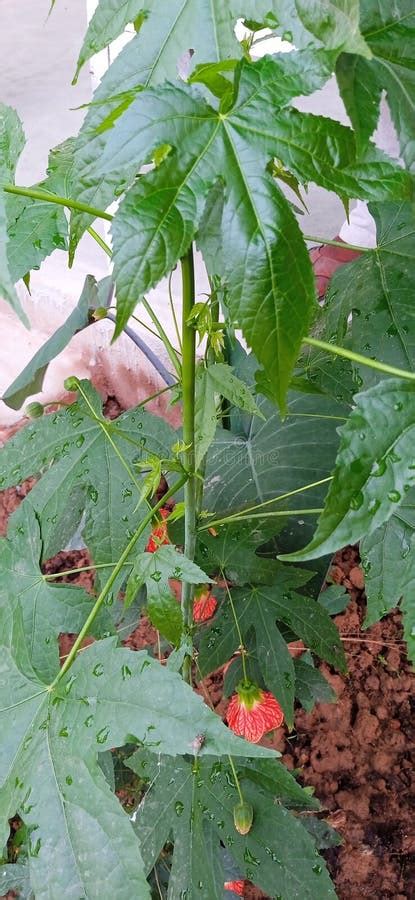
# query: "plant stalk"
{"type": "Point", "coordinates": [342, 244]}
{"type": "Point", "coordinates": [163, 336]}
{"type": "Point", "coordinates": [359, 359]}
{"type": "Point", "coordinates": [190, 488]}
{"type": "Point", "coordinates": [47, 197]}
{"type": "Point", "coordinates": [111, 580]}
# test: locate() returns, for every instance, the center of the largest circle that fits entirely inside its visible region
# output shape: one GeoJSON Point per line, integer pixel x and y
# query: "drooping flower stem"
{"type": "Point", "coordinates": [235, 778]}
{"type": "Point", "coordinates": [237, 626]}
{"type": "Point", "coordinates": [188, 388]}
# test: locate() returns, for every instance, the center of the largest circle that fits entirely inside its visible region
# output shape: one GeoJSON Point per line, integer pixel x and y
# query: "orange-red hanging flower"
{"type": "Point", "coordinates": [253, 712]}
{"type": "Point", "coordinates": [159, 534]}
{"type": "Point", "coordinates": [204, 605]}
{"type": "Point", "coordinates": [236, 886]}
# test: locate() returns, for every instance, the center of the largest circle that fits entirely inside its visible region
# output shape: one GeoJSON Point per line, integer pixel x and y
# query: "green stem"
{"type": "Point", "coordinates": [236, 779]}
{"type": "Point", "coordinates": [188, 387]}
{"type": "Point", "coordinates": [97, 237]}
{"type": "Point", "coordinates": [51, 575]}
{"type": "Point", "coordinates": [357, 358]}
{"type": "Point", "coordinates": [342, 244]}
{"type": "Point", "coordinates": [111, 580]}
{"type": "Point", "coordinates": [163, 336]}
{"type": "Point", "coordinates": [106, 427]}
{"type": "Point", "coordinates": [164, 390]}
{"type": "Point", "coordinates": [47, 197]}
{"type": "Point", "coordinates": [237, 626]}
{"type": "Point", "coordinates": [249, 509]}
{"type": "Point", "coordinates": [269, 515]}
{"type": "Point", "coordinates": [147, 327]}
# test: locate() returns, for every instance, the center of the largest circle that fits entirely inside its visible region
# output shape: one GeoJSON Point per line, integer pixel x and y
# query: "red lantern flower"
{"type": "Point", "coordinates": [159, 534]}
{"type": "Point", "coordinates": [253, 712]}
{"type": "Point", "coordinates": [204, 605]}
{"type": "Point", "coordinates": [236, 886]}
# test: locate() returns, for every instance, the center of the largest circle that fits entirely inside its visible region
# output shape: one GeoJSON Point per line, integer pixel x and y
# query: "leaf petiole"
{"type": "Point", "coordinates": [359, 359]}
{"type": "Point", "coordinates": [243, 512]}
{"type": "Point", "coordinates": [342, 244]}
{"type": "Point", "coordinates": [188, 387]}
{"type": "Point", "coordinates": [47, 197]}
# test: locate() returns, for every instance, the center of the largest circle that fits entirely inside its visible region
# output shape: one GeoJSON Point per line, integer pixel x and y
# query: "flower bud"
{"type": "Point", "coordinates": [99, 313]}
{"type": "Point", "coordinates": [71, 383]}
{"type": "Point", "coordinates": [243, 816]}
{"type": "Point", "coordinates": [34, 410]}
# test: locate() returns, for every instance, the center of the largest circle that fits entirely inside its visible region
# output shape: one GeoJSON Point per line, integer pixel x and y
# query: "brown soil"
{"type": "Point", "coordinates": [359, 753]}
{"type": "Point", "coordinates": [355, 753]}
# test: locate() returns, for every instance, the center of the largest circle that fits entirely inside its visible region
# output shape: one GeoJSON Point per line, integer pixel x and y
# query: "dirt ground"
{"type": "Point", "coordinates": [358, 754]}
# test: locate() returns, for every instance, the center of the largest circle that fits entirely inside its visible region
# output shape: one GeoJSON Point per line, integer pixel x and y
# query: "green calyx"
{"type": "Point", "coordinates": [249, 693]}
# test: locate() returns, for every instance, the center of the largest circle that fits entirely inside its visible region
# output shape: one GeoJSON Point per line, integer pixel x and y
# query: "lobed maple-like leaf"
{"type": "Point", "coordinates": [256, 461]}
{"type": "Point", "coordinates": [87, 465]}
{"type": "Point", "coordinates": [154, 571]}
{"type": "Point", "coordinates": [389, 31]}
{"type": "Point", "coordinates": [388, 559]}
{"type": "Point", "coordinates": [260, 608]}
{"type": "Point", "coordinates": [208, 26]}
{"type": "Point", "coordinates": [36, 228]}
{"type": "Point", "coordinates": [160, 215]}
{"type": "Point", "coordinates": [369, 303]}
{"type": "Point", "coordinates": [81, 841]}
{"type": "Point", "coordinates": [231, 552]}
{"type": "Point", "coordinates": [47, 609]}
{"type": "Point", "coordinates": [192, 803]}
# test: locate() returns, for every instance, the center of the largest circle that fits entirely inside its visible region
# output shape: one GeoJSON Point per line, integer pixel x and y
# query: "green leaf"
{"type": "Point", "coordinates": [36, 229]}
{"type": "Point", "coordinates": [47, 609]}
{"type": "Point", "coordinates": [310, 685]}
{"type": "Point", "coordinates": [195, 803]}
{"type": "Point", "coordinates": [386, 556]}
{"type": "Point", "coordinates": [11, 145]}
{"type": "Point", "coordinates": [217, 77]}
{"type": "Point", "coordinates": [169, 201]}
{"type": "Point", "coordinates": [333, 22]}
{"type": "Point", "coordinates": [323, 372]}
{"type": "Point", "coordinates": [31, 378]}
{"type": "Point", "coordinates": [236, 391]}
{"type": "Point", "coordinates": [15, 877]}
{"type": "Point", "coordinates": [258, 460]}
{"type": "Point", "coordinates": [205, 414]}
{"type": "Point", "coordinates": [260, 608]}
{"type": "Point", "coordinates": [151, 58]}
{"type": "Point", "coordinates": [323, 834]}
{"type": "Point", "coordinates": [211, 382]}
{"type": "Point", "coordinates": [50, 772]}
{"type": "Point", "coordinates": [92, 464]}
{"type": "Point", "coordinates": [232, 552]}
{"type": "Point", "coordinates": [389, 31]}
{"type": "Point", "coordinates": [334, 599]}
{"type": "Point", "coordinates": [376, 451]}
{"type": "Point", "coordinates": [108, 22]}
{"type": "Point", "coordinates": [154, 570]}
{"type": "Point", "coordinates": [376, 290]}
